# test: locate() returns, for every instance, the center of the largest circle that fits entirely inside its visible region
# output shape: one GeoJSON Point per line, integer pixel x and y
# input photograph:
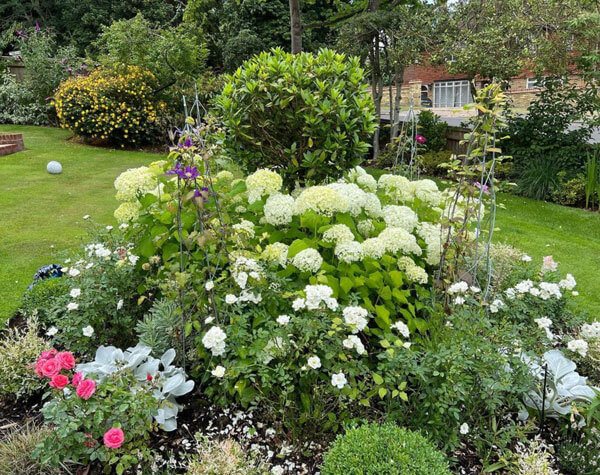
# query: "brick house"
{"type": "Point", "coordinates": [448, 91]}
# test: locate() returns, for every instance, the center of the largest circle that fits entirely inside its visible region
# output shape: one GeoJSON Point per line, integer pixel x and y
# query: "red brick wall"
{"type": "Point", "coordinates": [428, 74]}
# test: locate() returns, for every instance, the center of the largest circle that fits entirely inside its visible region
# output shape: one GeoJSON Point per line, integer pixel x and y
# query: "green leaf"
{"type": "Point", "coordinates": [382, 392]}
{"type": "Point", "coordinates": [377, 379]}
{"type": "Point", "coordinates": [346, 284]}
{"type": "Point", "coordinates": [297, 246]}
{"type": "Point", "coordinates": [147, 247]}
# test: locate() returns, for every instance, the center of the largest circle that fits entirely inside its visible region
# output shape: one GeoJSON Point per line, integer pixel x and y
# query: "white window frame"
{"type": "Point", "coordinates": [449, 87]}
{"type": "Point", "coordinates": [532, 83]}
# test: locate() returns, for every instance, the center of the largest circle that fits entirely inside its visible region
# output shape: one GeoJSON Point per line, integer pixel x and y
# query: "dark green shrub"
{"type": "Point", "coordinates": [433, 129]}
{"type": "Point", "coordinates": [386, 448]}
{"type": "Point", "coordinates": [307, 115]}
{"type": "Point", "coordinates": [539, 178]}
{"type": "Point", "coordinates": [580, 457]}
{"type": "Point", "coordinates": [569, 192]}
{"type": "Point", "coordinates": [429, 162]}
{"type": "Point", "coordinates": [41, 297]}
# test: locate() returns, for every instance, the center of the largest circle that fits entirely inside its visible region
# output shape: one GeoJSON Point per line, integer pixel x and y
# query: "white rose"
{"type": "Point", "coordinates": [218, 372]}
{"type": "Point", "coordinates": [230, 299]}
{"type": "Point", "coordinates": [338, 380]}
{"type": "Point", "coordinates": [283, 319]}
{"type": "Point", "coordinates": [88, 331]}
{"type": "Point", "coordinates": [314, 362]}
{"type": "Point", "coordinates": [72, 306]}
{"type": "Point", "coordinates": [75, 293]}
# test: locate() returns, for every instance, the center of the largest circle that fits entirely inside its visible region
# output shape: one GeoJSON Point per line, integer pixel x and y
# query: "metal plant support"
{"type": "Point", "coordinates": [406, 151]}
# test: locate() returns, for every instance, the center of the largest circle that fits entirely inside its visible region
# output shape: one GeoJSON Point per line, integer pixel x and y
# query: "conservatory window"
{"type": "Point", "coordinates": [451, 93]}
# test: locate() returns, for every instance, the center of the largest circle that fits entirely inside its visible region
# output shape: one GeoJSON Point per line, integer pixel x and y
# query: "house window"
{"type": "Point", "coordinates": [451, 94]}
{"type": "Point", "coordinates": [532, 83]}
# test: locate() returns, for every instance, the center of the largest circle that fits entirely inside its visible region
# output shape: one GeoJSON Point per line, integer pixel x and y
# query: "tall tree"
{"type": "Point", "coordinates": [295, 26]}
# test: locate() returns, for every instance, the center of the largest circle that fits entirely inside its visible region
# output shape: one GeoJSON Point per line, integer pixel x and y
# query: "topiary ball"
{"type": "Point", "coordinates": [54, 168]}
{"type": "Point", "coordinates": [386, 448]}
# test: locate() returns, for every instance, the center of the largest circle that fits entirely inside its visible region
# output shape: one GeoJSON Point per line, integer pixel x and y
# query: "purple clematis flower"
{"type": "Point", "coordinates": [176, 171]}
{"type": "Point", "coordinates": [201, 193]}
{"type": "Point", "coordinates": [420, 139]}
{"type": "Point", "coordinates": [188, 143]}
{"type": "Point", "coordinates": [190, 173]}
{"type": "Point", "coordinates": [37, 26]}
{"type": "Point", "coordinates": [485, 188]}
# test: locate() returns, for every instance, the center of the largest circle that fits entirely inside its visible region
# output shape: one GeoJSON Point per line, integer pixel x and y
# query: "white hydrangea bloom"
{"type": "Point", "coordinates": [349, 251]}
{"type": "Point", "coordinates": [398, 239]}
{"type": "Point", "coordinates": [417, 274]}
{"type": "Point", "coordinates": [244, 227]}
{"type": "Point", "coordinates": [549, 289]}
{"type": "Point", "coordinates": [400, 217]}
{"type": "Point", "coordinates": [355, 173]}
{"type": "Point", "coordinates": [276, 252]}
{"type": "Point", "coordinates": [355, 317]}
{"type": "Point", "coordinates": [133, 181]}
{"type": "Point", "coordinates": [279, 209]}
{"type": "Point", "coordinates": [458, 288]}
{"type": "Point", "coordinates": [308, 260]}
{"type": "Point", "coordinates": [397, 188]}
{"type": "Point", "coordinates": [214, 340]}
{"type": "Point", "coordinates": [428, 192]}
{"type": "Point", "coordinates": [224, 176]}
{"type": "Point", "coordinates": [262, 182]}
{"type": "Point", "coordinates": [374, 247]}
{"type": "Point", "coordinates": [127, 211]}
{"type": "Point", "coordinates": [355, 197]}
{"type": "Point", "coordinates": [372, 206]}
{"type": "Point", "coordinates": [365, 227]}
{"type": "Point", "coordinates": [322, 200]}
{"type": "Point", "coordinates": [338, 233]}
{"type": "Point", "coordinates": [316, 295]}
{"type": "Point", "coordinates": [568, 282]}
{"type": "Point", "coordinates": [431, 234]}
{"type": "Point", "coordinates": [367, 182]}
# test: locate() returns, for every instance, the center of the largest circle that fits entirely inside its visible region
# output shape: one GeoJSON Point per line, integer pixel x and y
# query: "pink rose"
{"type": "Point", "coordinates": [59, 381]}
{"type": "Point", "coordinates": [66, 359]}
{"type": "Point", "coordinates": [51, 367]}
{"type": "Point", "coordinates": [77, 377]}
{"type": "Point", "coordinates": [113, 438]}
{"type": "Point", "coordinates": [86, 388]}
{"type": "Point", "coordinates": [46, 355]}
{"type": "Point", "coordinates": [38, 367]}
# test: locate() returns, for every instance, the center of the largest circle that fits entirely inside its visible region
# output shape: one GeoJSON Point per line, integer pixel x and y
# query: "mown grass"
{"type": "Point", "coordinates": [41, 214]}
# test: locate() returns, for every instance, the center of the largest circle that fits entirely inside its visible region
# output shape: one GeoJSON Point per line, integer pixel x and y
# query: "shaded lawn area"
{"type": "Point", "coordinates": [41, 214]}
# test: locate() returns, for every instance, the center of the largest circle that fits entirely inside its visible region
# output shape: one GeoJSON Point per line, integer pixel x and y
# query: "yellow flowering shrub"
{"type": "Point", "coordinates": [113, 105]}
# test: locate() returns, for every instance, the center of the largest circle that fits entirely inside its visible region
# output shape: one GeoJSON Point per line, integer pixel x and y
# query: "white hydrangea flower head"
{"type": "Point", "coordinates": [349, 251]}
{"type": "Point", "coordinates": [355, 173]}
{"type": "Point", "coordinates": [308, 260]}
{"type": "Point", "coordinates": [432, 235]}
{"type": "Point", "coordinates": [400, 217]}
{"type": "Point", "coordinates": [372, 206]}
{"type": "Point", "coordinates": [279, 209]}
{"type": "Point", "coordinates": [374, 247]}
{"type": "Point", "coordinates": [224, 176]}
{"type": "Point", "coordinates": [214, 340]}
{"type": "Point", "coordinates": [316, 295]}
{"type": "Point", "coordinates": [398, 188]}
{"type": "Point", "coordinates": [127, 211]}
{"type": "Point", "coordinates": [458, 288]}
{"type": "Point", "coordinates": [402, 328]}
{"type": "Point", "coordinates": [578, 346]}
{"type": "Point", "coordinates": [276, 252]}
{"type": "Point", "coordinates": [355, 197]}
{"type": "Point", "coordinates": [338, 233]}
{"type": "Point", "coordinates": [367, 182]}
{"type": "Point", "coordinates": [356, 317]}
{"type": "Point", "coordinates": [322, 200]}
{"type": "Point", "coordinates": [417, 274]}
{"type": "Point", "coordinates": [365, 227]}
{"type": "Point", "coordinates": [133, 181]}
{"type": "Point", "coordinates": [398, 239]}
{"type": "Point", "coordinates": [428, 192]}
{"type": "Point", "coordinates": [262, 182]}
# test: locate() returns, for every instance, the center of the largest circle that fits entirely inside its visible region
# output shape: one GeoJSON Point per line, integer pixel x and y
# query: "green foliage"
{"type": "Point", "coordinates": [429, 162]}
{"type": "Point", "coordinates": [383, 448]}
{"type": "Point", "coordinates": [16, 448]}
{"type": "Point", "coordinates": [539, 143]}
{"type": "Point", "coordinates": [223, 458]}
{"type": "Point", "coordinates": [579, 456]}
{"type": "Point", "coordinates": [38, 300]}
{"type": "Point", "coordinates": [78, 425]}
{"type": "Point", "coordinates": [107, 284]}
{"type": "Point", "coordinates": [592, 180]}
{"type": "Point", "coordinates": [115, 105]}
{"type": "Point", "coordinates": [19, 104]}
{"type": "Point", "coordinates": [306, 115]}
{"type": "Point", "coordinates": [159, 327]}
{"type": "Point", "coordinates": [433, 129]}
{"type": "Point", "coordinates": [569, 192]}
{"type": "Point", "coordinates": [19, 349]}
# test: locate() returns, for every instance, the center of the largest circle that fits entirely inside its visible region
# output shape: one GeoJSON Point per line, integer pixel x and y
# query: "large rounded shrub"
{"type": "Point", "coordinates": [309, 116]}
{"type": "Point", "coordinates": [114, 105]}
{"type": "Point", "coordinates": [386, 448]}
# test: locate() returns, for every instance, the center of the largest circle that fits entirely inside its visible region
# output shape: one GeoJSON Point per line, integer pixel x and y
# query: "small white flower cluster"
{"type": "Point", "coordinates": [461, 288]}
{"type": "Point", "coordinates": [338, 233]}
{"type": "Point", "coordinates": [365, 227]}
{"type": "Point", "coordinates": [401, 190]}
{"type": "Point", "coordinates": [308, 260]}
{"type": "Point", "coordinates": [578, 346]}
{"type": "Point", "coordinates": [353, 341]}
{"type": "Point", "coordinates": [322, 200]}
{"type": "Point", "coordinates": [98, 250]}
{"type": "Point", "coordinates": [359, 176]}
{"type": "Point", "coordinates": [544, 290]}
{"type": "Point", "coordinates": [496, 305]}
{"type": "Point", "coordinates": [432, 235]}
{"type": "Point", "coordinates": [374, 248]}
{"type": "Point", "coordinates": [398, 239]}
{"type": "Point", "coordinates": [568, 283]}
{"type": "Point", "coordinates": [402, 328]}
{"type": "Point", "coordinates": [244, 268]}
{"type": "Point", "coordinates": [548, 265]}
{"type": "Point", "coordinates": [245, 296]}
{"type": "Point", "coordinates": [315, 296]}
{"type": "Point", "coordinates": [244, 227]}
{"type": "Point", "coordinates": [356, 318]}
{"type": "Point", "coordinates": [214, 340]}
{"type": "Point", "coordinates": [545, 323]}
{"type": "Point", "coordinates": [590, 330]}
{"type": "Point", "coordinates": [413, 272]}
{"type": "Point", "coordinates": [349, 251]}
{"type": "Point", "coordinates": [262, 182]}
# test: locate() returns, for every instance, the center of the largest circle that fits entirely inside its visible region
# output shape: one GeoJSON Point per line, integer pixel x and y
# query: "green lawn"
{"type": "Point", "coordinates": [41, 214]}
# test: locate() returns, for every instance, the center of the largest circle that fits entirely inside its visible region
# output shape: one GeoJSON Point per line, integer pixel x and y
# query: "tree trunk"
{"type": "Point", "coordinates": [296, 26]}
{"type": "Point", "coordinates": [376, 81]}
{"type": "Point", "coordinates": [395, 106]}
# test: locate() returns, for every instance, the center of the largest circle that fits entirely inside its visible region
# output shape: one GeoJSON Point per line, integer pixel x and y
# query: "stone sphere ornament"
{"type": "Point", "coordinates": [54, 168]}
